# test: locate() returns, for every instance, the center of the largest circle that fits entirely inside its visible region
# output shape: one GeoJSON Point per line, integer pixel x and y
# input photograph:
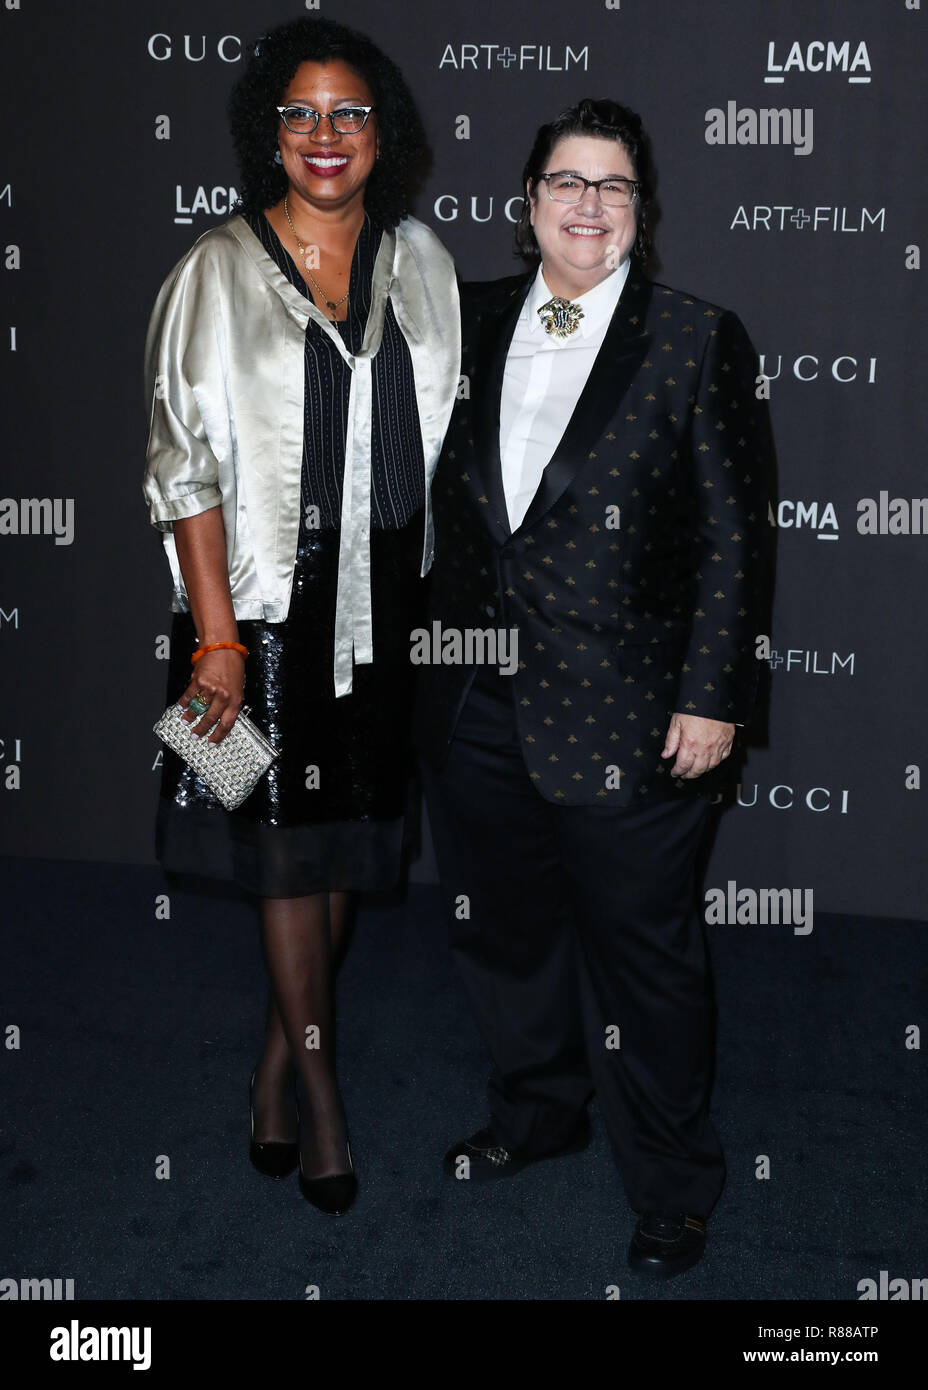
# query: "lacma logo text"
{"type": "Point", "coordinates": [819, 56]}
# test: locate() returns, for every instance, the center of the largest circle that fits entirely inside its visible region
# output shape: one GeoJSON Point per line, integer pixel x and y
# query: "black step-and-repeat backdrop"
{"type": "Point", "coordinates": [789, 146]}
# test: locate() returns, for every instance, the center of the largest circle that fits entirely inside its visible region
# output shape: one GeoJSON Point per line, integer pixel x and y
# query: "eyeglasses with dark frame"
{"type": "Point", "coordinates": [346, 120]}
{"type": "Point", "coordinates": [567, 187]}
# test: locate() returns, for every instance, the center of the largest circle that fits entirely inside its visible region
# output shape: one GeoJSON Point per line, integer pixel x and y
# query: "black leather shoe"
{"type": "Point", "coordinates": [334, 1194]}
{"type": "Point", "coordinates": [274, 1160]}
{"type": "Point", "coordinates": [665, 1244]}
{"type": "Point", "coordinates": [487, 1159]}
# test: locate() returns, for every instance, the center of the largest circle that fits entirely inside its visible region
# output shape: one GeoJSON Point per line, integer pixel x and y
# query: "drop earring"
{"type": "Point", "coordinates": [277, 158]}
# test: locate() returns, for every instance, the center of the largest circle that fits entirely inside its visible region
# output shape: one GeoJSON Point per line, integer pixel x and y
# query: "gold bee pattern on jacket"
{"type": "Point", "coordinates": [637, 579]}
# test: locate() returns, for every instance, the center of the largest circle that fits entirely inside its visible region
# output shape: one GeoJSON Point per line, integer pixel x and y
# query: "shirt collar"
{"type": "Point", "coordinates": [598, 304]}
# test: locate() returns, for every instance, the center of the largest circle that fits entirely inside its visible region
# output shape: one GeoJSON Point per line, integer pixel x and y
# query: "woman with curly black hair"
{"type": "Point", "coordinates": [301, 365]}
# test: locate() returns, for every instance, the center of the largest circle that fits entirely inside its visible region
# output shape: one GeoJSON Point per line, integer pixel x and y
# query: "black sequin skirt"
{"type": "Point", "coordinates": [330, 815]}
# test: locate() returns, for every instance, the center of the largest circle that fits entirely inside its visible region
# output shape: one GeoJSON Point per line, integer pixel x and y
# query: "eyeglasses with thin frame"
{"type": "Point", "coordinates": [568, 187]}
{"type": "Point", "coordinates": [346, 120]}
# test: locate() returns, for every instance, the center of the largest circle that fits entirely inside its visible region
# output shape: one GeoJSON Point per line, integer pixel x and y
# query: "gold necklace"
{"type": "Point", "coordinates": [329, 304]}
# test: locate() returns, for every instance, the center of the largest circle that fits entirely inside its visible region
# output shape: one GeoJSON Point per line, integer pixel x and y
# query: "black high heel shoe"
{"type": "Point", "coordinates": [275, 1159]}
{"type": "Point", "coordinates": [334, 1194]}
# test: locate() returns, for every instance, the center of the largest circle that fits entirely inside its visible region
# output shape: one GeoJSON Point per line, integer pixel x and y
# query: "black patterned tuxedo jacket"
{"type": "Point", "coordinates": [636, 580]}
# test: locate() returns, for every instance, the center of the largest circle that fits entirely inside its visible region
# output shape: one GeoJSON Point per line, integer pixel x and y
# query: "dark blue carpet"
{"type": "Point", "coordinates": [138, 1037]}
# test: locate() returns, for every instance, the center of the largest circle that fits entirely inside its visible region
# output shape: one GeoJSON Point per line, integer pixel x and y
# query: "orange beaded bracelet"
{"type": "Point", "coordinates": [217, 646]}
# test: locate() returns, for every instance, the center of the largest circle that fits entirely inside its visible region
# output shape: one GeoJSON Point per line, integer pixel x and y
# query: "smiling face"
{"type": "Point", "coordinates": [581, 243]}
{"type": "Point", "coordinates": [324, 168]}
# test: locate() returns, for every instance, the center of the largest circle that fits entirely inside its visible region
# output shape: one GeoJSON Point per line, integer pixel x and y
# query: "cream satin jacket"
{"type": "Point", "coordinates": [224, 378]}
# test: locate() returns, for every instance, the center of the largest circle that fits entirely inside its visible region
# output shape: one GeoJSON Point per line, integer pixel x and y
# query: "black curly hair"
{"type": "Point", "coordinates": [610, 121]}
{"type": "Point", "coordinates": [271, 62]}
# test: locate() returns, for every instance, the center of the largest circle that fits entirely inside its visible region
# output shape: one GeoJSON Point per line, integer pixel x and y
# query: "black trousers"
{"type": "Point", "coordinates": [576, 933]}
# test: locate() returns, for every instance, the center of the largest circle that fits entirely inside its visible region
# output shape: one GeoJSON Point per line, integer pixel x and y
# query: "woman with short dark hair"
{"type": "Point", "coordinates": [301, 365]}
{"type": "Point", "coordinates": [606, 120]}
{"type": "Point", "coordinates": [603, 499]}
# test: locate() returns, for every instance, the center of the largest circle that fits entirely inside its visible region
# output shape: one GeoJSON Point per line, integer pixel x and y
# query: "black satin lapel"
{"type": "Point", "coordinates": [622, 352]}
{"type": "Point", "coordinates": [493, 347]}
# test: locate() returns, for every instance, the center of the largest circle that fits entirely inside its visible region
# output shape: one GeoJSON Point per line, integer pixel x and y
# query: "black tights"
{"type": "Point", "coordinates": [301, 938]}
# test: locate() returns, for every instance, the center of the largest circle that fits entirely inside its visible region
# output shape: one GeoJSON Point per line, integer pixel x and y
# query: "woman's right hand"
{"type": "Point", "coordinates": [220, 676]}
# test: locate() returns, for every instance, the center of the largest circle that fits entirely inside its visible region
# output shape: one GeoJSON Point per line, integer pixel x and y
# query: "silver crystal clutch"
{"type": "Point", "coordinates": [231, 769]}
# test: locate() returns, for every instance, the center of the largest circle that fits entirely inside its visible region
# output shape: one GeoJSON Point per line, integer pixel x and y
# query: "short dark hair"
{"type": "Point", "coordinates": [271, 62]}
{"type": "Point", "coordinates": [609, 121]}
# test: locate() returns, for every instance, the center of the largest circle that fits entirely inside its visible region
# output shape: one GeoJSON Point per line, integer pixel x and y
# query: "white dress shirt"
{"type": "Point", "coordinates": [542, 382]}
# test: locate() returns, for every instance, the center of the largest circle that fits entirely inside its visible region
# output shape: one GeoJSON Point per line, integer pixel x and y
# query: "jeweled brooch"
{"type": "Point", "coordinates": [560, 316]}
